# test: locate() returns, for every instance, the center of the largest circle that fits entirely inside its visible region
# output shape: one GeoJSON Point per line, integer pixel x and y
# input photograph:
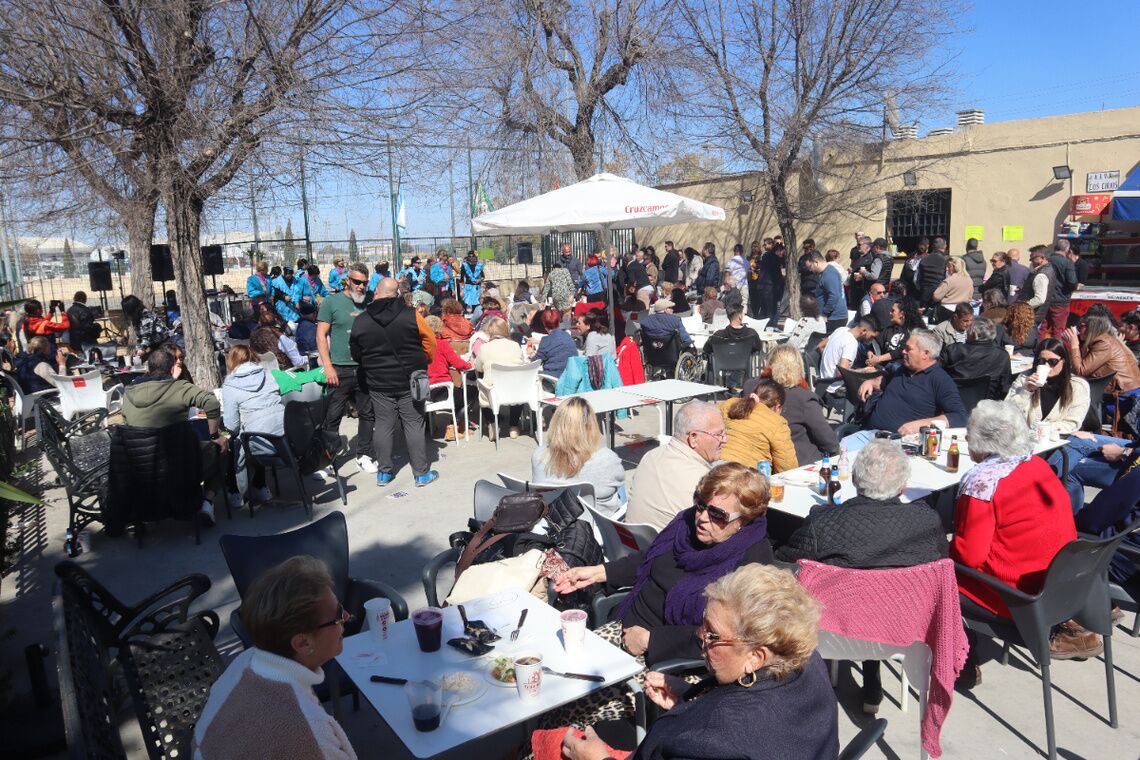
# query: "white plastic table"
{"type": "Point", "coordinates": [499, 706]}
{"type": "Point", "coordinates": [668, 391]}
{"type": "Point", "coordinates": [926, 477]}
{"type": "Point", "coordinates": [606, 401]}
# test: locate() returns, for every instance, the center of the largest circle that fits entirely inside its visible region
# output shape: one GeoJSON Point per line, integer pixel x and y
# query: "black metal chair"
{"type": "Point", "coordinates": [85, 484]}
{"type": "Point", "coordinates": [430, 574]}
{"type": "Point", "coordinates": [165, 652]}
{"type": "Point", "coordinates": [733, 358]}
{"type": "Point", "coordinates": [1076, 587]}
{"type": "Point", "coordinates": [247, 557]}
{"type": "Point", "coordinates": [1119, 594]}
{"type": "Point", "coordinates": [972, 390]}
{"type": "Point", "coordinates": [1093, 419]}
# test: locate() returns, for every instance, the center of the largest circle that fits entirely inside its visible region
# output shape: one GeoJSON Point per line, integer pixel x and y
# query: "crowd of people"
{"type": "Point", "coordinates": [385, 343]}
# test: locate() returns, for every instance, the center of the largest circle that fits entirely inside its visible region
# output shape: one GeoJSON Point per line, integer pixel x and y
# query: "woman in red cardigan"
{"type": "Point", "coordinates": [439, 371]}
{"type": "Point", "coordinates": [1012, 517]}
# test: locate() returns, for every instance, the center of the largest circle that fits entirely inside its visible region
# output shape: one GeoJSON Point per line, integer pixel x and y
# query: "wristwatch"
{"type": "Point", "coordinates": [215, 436]}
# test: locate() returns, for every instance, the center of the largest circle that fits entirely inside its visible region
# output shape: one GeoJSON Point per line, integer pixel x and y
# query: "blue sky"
{"type": "Point", "coordinates": [1015, 59]}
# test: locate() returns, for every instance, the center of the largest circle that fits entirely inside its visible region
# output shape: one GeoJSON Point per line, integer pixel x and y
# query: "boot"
{"type": "Point", "coordinates": [1072, 641]}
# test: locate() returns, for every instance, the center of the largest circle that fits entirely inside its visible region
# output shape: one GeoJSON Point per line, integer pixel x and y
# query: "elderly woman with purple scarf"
{"type": "Point", "coordinates": [724, 529]}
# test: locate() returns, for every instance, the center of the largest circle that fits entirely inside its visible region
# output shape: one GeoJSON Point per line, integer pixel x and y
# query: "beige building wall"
{"type": "Point", "coordinates": [998, 174]}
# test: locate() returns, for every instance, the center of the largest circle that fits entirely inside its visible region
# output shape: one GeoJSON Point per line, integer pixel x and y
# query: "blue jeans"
{"type": "Point", "coordinates": [1087, 466]}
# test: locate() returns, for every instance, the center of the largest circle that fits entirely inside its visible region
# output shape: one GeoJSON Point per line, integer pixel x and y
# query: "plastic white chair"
{"type": "Point", "coordinates": [84, 393]}
{"type": "Point", "coordinates": [268, 361]}
{"type": "Point", "coordinates": [513, 385]}
{"type": "Point", "coordinates": [25, 404]}
{"type": "Point", "coordinates": [719, 319]}
{"type": "Point", "coordinates": [445, 405]}
{"type": "Point", "coordinates": [916, 662]}
{"type": "Point", "coordinates": [620, 539]}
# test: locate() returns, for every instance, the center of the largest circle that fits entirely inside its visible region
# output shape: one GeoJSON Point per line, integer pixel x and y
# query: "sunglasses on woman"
{"type": "Point", "coordinates": [1051, 362]}
{"type": "Point", "coordinates": [716, 513]}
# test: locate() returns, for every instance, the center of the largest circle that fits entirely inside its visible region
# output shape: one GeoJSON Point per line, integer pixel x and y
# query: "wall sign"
{"type": "Point", "coordinates": [1102, 182]}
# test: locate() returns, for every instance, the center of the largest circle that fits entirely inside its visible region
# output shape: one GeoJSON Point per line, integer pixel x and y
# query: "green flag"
{"type": "Point", "coordinates": [481, 202]}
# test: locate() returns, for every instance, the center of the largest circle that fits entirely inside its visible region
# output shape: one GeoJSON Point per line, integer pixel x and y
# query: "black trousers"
{"type": "Point", "coordinates": [390, 408]}
{"type": "Point", "coordinates": [349, 387]}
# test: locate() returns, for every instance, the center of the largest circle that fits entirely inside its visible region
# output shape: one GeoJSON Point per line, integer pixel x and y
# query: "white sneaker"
{"type": "Point", "coordinates": [234, 499]}
{"type": "Point", "coordinates": [367, 464]}
{"type": "Point", "coordinates": [206, 513]}
{"type": "Point", "coordinates": [324, 475]}
{"type": "Point", "coordinates": [263, 495]}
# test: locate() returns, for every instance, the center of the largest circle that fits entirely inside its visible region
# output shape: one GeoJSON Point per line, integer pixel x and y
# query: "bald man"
{"type": "Point", "coordinates": [390, 342]}
{"type": "Point", "coordinates": [1018, 272]}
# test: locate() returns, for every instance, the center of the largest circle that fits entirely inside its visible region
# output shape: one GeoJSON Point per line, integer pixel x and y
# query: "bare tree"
{"type": "Point", "coordinates": [562, 72]}
{"type": "Point", "coordinates": [770, 77]}
{"type": "Point", "coordinates": [190, 90]}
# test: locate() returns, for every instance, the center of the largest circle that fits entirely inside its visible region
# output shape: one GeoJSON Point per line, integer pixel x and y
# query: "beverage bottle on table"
{"type": "Point", "coordinates": [824, 476]}
{"type": "Point", "coordinates": [952, 456]}
{"type": "Point", "coordinates": [931, 445]}
{"type": "Point", "coordinates": [764, 467]}
{"type": "Point", "coordinates": [844, 466]}
{"type": "Point", "coordinates": [833, 487]}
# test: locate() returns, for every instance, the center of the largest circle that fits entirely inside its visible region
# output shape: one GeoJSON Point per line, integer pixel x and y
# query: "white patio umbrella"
{"type": "Point", "coordinates": [601, 203]}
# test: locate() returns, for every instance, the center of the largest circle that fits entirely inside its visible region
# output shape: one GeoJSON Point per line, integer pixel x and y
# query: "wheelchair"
{"type": "Point", "coordinates": [667, 358]}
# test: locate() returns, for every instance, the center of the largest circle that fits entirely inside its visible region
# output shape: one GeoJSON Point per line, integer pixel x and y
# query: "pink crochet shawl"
{"type": "Point", "coordinates": [898, 607]}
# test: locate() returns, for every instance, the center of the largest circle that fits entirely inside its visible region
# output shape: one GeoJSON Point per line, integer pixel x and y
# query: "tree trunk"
{"type": "Point", "coordinates": [183, 224]}
{"type": "Point", "coordinates": [792, 253]}
{"type": "Point", "coordinates": [583, 155]}
{"type": "Point", "coordinates": [140, 233]}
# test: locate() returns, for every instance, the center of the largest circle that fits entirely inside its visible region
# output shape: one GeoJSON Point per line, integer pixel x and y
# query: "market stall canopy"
{"type": "Point", "coordinates": [1126, 199]}
{"type": "Point", "coordinates": [604, 200]}
{"type": "Point", "coordinates": [1089, 205]}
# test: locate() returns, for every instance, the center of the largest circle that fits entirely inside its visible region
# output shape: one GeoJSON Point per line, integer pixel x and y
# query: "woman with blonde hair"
{"type": "Point", "coordinates": [251, 403]}
{"type": "Point", "coordinates": [812, 437]}
{"type": "Point", "coordinates": [263, 705]}
{"type": "Point", "coordinates": [498, 349]}
{"type": "Point", "coordinates": [573, 453]}
{"type": "Point", "coordinates": [767, 694]}
{"type": "Point", "coordinates": [957, 288]}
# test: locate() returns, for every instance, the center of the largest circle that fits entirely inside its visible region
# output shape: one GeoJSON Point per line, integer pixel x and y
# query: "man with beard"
{"type": "Point", "coordinates": [334, 323]}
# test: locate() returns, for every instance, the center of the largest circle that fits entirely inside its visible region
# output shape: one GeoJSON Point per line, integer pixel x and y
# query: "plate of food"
{"type": "Point", "coordinates": [501, 672]}
{"type": "Point", "coordinates": [460, 687]}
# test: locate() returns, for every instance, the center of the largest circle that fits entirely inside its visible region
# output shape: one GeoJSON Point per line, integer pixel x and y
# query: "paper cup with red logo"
{"type": "Point", "coordinates": [528, 674]}
{"type": "Point", "coordinates": [573, 630]}
{"type": "Point", "coordinates": [379, 612]}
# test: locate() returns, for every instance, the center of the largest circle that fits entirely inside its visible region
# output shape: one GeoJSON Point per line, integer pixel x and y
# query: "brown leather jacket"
{"type": "Point", "coordinates": [1105, 354]}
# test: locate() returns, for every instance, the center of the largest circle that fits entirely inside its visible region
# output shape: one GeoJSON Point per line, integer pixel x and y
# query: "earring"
{"type": "Point", "coordinates": [748, 685]}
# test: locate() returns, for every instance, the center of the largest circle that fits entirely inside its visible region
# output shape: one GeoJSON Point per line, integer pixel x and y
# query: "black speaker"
{"type": "Point", "coordinates": [161, 266]}
{"type": "Point", "coordinates": [99, 275]}
{"type": "Point", "coordinates": [212, 262]}
{"type": "Point", "coordinates": [525, 253]}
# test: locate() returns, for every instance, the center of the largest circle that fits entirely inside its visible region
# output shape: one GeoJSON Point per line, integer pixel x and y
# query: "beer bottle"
{"type": "Point", "coordinates": [952, 456]}
{"type": "Point", "coordinates": [833, 487]}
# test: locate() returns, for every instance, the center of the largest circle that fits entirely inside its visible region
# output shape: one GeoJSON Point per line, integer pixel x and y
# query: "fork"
{"type": "Point", "coordinates": [522, 619]}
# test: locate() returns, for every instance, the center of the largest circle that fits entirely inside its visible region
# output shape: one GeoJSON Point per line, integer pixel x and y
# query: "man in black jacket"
{"type": "Point", "coordinates": [671, 264]}
{"type": "Point", "coordinates": [931, 272]}
{"type": "Point", "coordinates": [1064, 283]}
{"type": "Point", "coordinates": [83, 329]}
{"type": "Point", "coordinates": [875, 530]}
{"type": "Point", "coordinates": [389, 342]}
{"type": "Point", "coordinates": [980, 356]}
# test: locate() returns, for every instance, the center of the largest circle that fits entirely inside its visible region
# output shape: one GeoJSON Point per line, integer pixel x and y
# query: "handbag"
{"type": "Point", "coordinates": [418, 384]}
{"type": "Point", "coordinates": [516, 513]}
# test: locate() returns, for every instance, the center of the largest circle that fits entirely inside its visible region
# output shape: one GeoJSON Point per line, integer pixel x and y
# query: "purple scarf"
{"type": "Point", "coordinates": [685, 602]}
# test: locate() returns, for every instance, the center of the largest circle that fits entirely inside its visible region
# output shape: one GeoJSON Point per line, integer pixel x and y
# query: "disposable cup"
{"type": "Point", "coordinates": [379, 613]}
{"type": "Point", "coordinates": [528, 675]}
{"type": "Point", "coordinates": [573, 630]}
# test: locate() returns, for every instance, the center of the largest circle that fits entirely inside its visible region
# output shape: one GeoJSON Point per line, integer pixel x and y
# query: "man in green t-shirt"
{"type": "Point", "coordinates": [334, 323]}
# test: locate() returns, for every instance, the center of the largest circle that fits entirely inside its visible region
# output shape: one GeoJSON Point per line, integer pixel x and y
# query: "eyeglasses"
{"type": "Point", "coordinates": [708, 639]}
{"type": "Point", "coordinates": [355, 281]}
{"type": "Point", "coordinates": [1051, 362]}
{"type": "Point", "coordinates": [342, 616]}
{"type": "Point", "coordinates": [716, 513]}
{"type": "Point", "coordinates": [722, 435]}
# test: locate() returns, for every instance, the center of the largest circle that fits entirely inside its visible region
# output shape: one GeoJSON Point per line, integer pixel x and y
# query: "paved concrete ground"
{"type": "Point", "coordinates": [391, 539]}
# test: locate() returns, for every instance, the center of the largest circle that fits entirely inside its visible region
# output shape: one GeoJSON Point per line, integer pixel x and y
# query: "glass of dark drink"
{"type": "Point", "coordinates": [426, 700]}
{"type": "Point", "coordinates": [429, 627]}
